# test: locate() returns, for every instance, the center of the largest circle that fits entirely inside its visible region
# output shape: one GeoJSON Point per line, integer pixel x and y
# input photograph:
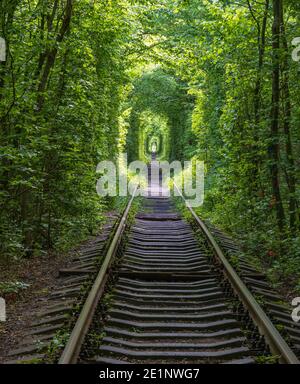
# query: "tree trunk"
{"type": "Point", "coordinates": [257, 96]}
{"type": "Point", "coordinates": [51, 55]}
{"type": "Point", "coordinates": [291, 172]}
{"type": "Point", "coordinates": [49, 61]}
{"type": "Point", "coordinates": [274, 146]}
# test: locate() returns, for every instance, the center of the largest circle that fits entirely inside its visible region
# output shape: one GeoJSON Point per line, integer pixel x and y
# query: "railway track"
{"type": "Point", "coordinates": [160, 289]}
{"type": "Point", "coordinates": [164, 295]}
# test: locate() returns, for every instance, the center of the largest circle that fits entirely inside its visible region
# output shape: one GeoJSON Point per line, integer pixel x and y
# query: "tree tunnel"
{"type": "Point", "coordinates": [160, 117]}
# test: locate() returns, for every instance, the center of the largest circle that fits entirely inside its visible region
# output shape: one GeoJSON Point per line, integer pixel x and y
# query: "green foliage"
{"type": "Point", "coordinates": [268, 359]}
{"type": "Point", "coordinates": [87, 80]}
{"type": "Point", "coordinates": [224, 54]}
{"type": "Point", "coordinates": [159, 92]}
{"type": "Point", "coordinates": [57, 343]}
{"type": "Point", "coordinates": [57, 125]}
{"type": "Point", "coordinates": [12, 287]}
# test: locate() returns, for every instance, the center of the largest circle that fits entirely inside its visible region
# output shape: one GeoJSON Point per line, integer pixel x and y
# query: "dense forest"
{"type": "Point", "coordinates": [214, 80]}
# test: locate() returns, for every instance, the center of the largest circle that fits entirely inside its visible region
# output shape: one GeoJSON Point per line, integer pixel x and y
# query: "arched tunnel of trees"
{"type": "Point", "coordinates": [161, 108]}
{"type": "Point", "coordinates": [212, 80]}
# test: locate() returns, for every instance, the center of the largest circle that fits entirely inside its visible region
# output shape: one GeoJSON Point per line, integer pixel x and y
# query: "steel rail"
{"type": "Point", "coordinates": [71, 351]}
{"type": "Point", "coordinates": [274, 340]}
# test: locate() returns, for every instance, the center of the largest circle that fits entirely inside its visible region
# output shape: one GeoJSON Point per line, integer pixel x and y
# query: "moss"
{"type": "Point", "coordinates": [269, 359]}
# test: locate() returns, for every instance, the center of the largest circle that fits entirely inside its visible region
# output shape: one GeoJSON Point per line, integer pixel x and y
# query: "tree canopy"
{"type": "Point", "coordinates": [212, 79]}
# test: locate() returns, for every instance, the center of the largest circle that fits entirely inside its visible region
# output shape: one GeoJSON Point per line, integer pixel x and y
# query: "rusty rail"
{"type": "Point", "coordinates": [274, 340]}
{"type": "Point", "coordinates": [71, 351]}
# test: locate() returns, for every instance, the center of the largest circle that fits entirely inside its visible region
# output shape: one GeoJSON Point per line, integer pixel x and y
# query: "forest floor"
{"type": "Point", "coordinates": [40, 276]}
